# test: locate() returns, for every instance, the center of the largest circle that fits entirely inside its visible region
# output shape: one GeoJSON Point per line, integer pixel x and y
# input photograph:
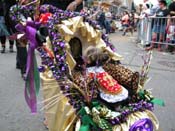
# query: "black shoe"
{"type": "Point", "coordinates": [23, 72]}
{"type": "Point", "coordinates": [3, 50]}
{"type": "Point", "coordinates": [11, 50]}
{"type": "Point", "coordinates": [23, 75]}
{"type": "Point", "coordinates": [18, 67]}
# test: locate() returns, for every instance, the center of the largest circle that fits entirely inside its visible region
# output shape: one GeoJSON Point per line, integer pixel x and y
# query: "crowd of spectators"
{"type": "Point", "coordinates": [104, 16]}
{"type": "Point", "coordinates": [162, 17]}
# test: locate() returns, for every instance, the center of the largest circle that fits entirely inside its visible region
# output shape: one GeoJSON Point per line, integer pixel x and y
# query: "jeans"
{"type": "Point", "coordinates": [107, 27]}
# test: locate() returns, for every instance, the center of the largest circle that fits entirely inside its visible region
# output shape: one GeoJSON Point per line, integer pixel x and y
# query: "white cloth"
{"type": "Point", "coordinates": [114, 98]}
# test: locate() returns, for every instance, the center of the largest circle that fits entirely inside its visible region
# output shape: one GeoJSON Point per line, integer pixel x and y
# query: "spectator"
{"type": "Point", "coordinates": [147, 11]}
{"type": "Point", "coordinates": [159, 26]}
{"type": "Point", "coordinates": [125, 22]}
{"type": "Point", "coordinates": [132, 22]}
{"type": "Point", "coordinates": [3, 28]}
{"type": "Point", "coordinates": [21, 55]}
{"type": "Point", "coordinates": [154, 7]}
{"type": "Point", "coordinates": [9, 23]}
{"type": "Point", "coordinates": [101, 20]}
{"type": "Point", "coordinates": [171, 26]}
{"type": "Point", "coordinates": [108, 16]}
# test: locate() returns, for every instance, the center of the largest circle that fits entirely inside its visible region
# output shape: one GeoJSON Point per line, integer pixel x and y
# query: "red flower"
{"type": "Point", "coordinates": [44, 18]}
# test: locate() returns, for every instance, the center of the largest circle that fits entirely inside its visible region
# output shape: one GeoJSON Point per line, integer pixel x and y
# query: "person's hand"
{"type": "Point", "coordinates": [153, 16]}
{"type": "Point", "coordinates": [23, 23]}
{"type": "Point", "coordinates": [172, 12]}
{"type": "Point", "coordinates": [72, 6]}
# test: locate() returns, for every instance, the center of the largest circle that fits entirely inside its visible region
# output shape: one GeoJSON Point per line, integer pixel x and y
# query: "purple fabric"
{"type": "Point", "coordinates": [30, 32]}
{"type": "Point", "coordinates": [30, 94]}
{"type": "Point", "coordinates": [142, 125]}
{"type": "Point", "coordinates": [19, 27]}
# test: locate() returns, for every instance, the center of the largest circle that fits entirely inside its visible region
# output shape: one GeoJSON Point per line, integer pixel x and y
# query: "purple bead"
{"type": "Point", "coordinates": [39, 49]}
{"type": "Point", "coordinates": [54, 71]}
{"type": "Point", "coordinates": [41, 69]}
{"type": "Point", "coordinates": [52, 67]}
{"type": "Point", "coordinates": [124, 113]}
{"type": "Point", "coordinates": [52, 34]}
{"type": "Point", "coordinates": [42, 56]}
{"type": "Point", "coordinates": [55, 49]}
{"type": "Point", "coordinates": [117, 120]}
{"type": "Point", "coordinates": [60, 59]}
{"type": "Point", "coordinates": [135, 109]}
{"type": "Point", "coordinates": [57, 56]}
{"type": "Point", "coordinates": [44, 62]}
{"type": "Point", "coordinates": [67, 87]}
{"type": "Point", "coordinates": [114, 50]}
{"type": "Point", "coordinates": [63, 68]}
{"type": "Point", "coordinates": [113, 122]}
{"type": "Point", "coordinates": [50, 64]}
{"type": "Point", "coordinates": [62, 44]}
{"type": "Point", "coordinates": [57, 77]}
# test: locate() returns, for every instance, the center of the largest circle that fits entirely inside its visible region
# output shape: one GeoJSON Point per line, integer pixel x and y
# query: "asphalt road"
{"type": "Point", "coordinates": [15, 115]}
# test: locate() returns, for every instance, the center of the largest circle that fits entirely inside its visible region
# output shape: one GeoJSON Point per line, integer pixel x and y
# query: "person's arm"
{"type": "Point", "coordinates": [168, 16]}
{"type": "Point", "coordinates": [152, 16]}
{"type": "Point", "coordinates": [73, 5]}
{"type": "Point", "coordinates": [78, 2]}
{"type": "Point", "coordinates": [172, 12]}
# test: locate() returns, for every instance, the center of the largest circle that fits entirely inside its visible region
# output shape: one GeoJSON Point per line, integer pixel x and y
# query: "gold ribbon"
{"type": "Point", "coordinates": [71, 26]}
{"type": "Point", "coordinates": [61, 115]}
{"type": "Point", "coordinates": [75, 27]}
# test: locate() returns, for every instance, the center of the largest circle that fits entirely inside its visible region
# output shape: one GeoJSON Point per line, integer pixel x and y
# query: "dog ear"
{"type": "Point", "coordinates": [95, 56]}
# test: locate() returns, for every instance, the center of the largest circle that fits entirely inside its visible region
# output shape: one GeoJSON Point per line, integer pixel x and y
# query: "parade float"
{"type": "Point", "coordinates": [85, 86]}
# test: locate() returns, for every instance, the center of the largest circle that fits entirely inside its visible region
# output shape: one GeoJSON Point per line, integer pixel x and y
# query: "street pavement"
{"type": "Point", "coordinates": [14, 113]}
{"type": "Point", "coordinates": [16, 116]}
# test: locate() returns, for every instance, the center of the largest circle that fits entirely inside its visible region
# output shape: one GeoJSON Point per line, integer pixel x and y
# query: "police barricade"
{"type": "Point", "coordinates": [157, 30]}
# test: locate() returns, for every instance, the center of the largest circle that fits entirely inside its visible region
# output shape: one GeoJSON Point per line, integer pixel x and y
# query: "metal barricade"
{"type": "Point", "coordinates": [157, 30]}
